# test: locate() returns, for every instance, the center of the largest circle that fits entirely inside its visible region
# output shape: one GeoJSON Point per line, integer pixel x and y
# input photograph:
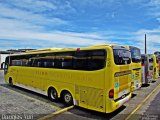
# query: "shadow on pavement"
{"type": "Point", "coordinates": [133, 95]}
{"type": "Point", "coordinates": [153, 81]}
{"type": "Point", "coordinates": [145, 85]}
{"type": "Point", "coordinates": [82, 112]}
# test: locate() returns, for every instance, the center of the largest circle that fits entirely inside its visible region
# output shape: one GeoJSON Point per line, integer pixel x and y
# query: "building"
{"type": "Point", "coordinates": [3, 55]}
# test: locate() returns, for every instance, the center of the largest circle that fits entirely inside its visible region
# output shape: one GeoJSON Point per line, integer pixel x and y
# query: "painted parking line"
{"type": "Point", "coordinates": [43, 102]}
{"type": "Point", "coordinates": [56, 113]}
{"type": "Point", "coordinates": [140, 105]}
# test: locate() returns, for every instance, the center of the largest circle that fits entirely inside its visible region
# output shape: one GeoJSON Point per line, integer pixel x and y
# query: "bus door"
{"type": "Point", "coordinates": [144, 69]}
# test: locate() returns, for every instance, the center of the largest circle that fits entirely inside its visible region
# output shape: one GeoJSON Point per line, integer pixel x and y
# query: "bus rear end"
{"type": "Point", "coordinates": [136, 68]}
{"type": "Point", "coordinates": [155, 67]}
{"type": "Point", "coordinates": [150, 67]}
{"type": "Point", "coordinates": [144, 66]}
{"type": "Point", "coordinates": [120, 83]}
{"type": "Point", "coordinates": [158, 60]}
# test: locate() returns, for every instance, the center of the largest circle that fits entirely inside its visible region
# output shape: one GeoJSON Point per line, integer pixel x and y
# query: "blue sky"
{"type": "Point", "coordinates": [78, 23]}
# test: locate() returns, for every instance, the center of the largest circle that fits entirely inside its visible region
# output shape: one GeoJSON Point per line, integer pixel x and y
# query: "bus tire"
{"type": "Point", "coordinates": [52, 94]}
{"type": "Point", "coordinates": [67, 98]}
{"type": "Point", "coordinates": [10, 81]}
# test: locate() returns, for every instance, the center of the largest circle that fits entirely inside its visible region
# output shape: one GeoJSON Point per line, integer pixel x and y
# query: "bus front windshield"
{"type": "Point", "coordinates": [136, 55]}
{"type": "Point", "coordinates": [122, 56]}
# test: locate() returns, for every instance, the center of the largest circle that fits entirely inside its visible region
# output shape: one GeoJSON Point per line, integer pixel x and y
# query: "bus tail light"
{"type": "Point", "coordinates": [111, 93]}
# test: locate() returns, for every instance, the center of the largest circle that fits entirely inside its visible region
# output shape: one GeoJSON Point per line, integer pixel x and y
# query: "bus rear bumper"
{"type": "Point", "coordinates": [115, 105]}
{"type": "Point", "coordinates": [124, 100]}
{"type": "Point", "coordinates": [136, 85]}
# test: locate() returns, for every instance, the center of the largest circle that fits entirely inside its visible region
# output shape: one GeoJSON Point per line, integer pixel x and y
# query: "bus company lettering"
{"type": "Point", "coordinates": [122, 73]}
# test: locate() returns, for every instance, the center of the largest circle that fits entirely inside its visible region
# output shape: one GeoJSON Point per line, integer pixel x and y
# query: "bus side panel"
{"type": "Point", "coordinates": [86, 87]}
{"type": "Point", "coordinates": [89, 89]}
{"type": "Point", "coordinates": [33, 77]}
{"type": "Point", "coordinates": [60, 80]}
{"type": "Point", "coordinates": [24, 76]}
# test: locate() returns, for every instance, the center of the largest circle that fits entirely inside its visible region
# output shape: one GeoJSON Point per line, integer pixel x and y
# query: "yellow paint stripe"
{"type": "Point", "coordinates": [56, 113]}
{"type": "Point", "coordinates": [13, 91]}
{"type": "Point", "coordinates": [138, 107]}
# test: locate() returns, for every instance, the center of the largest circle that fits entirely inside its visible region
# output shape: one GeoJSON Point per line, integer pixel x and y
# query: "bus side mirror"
{"type": "Point", "coordinates": [2, 66]}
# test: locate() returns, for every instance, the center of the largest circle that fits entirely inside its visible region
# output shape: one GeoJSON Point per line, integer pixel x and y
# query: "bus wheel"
{"type": "Point", "coordinates": [52, 94]}
{"type": "Point", "coordinates": [67, 98]}
{"type": "Point", "coordinates": [10, 82]}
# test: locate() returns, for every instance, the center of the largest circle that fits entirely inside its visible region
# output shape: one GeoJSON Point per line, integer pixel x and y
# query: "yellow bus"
{"type": "Point", "coordinates": [156, 67]}
{"type": "Point", "coordinates": [157, 53]}
{"type": "Point", "coordinates": [153, 67]}
{"type": "Point", "coordinates": [95, 77]}
{"type": "Point", "coordinates": [136, 68]}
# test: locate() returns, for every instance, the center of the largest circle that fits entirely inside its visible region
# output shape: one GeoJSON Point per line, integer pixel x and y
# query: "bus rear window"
{"type": "Point", "coordinates": [122, 56]}
{"type": "Point", "coordinates": [135, 54]}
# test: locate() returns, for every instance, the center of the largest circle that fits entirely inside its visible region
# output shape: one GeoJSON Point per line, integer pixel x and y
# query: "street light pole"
{"type": "Point", "coordinates": [145, 45]}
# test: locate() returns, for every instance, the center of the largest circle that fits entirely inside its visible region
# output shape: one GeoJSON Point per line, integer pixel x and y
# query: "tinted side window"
{"type": "Point", "coordinates": [19, 60]}
{"type": "Point", "coordinates": [43, 60]}
{"type": "Point", "coordinates": [15, 61]}
{"type": "Point", "coordinates": [96, 59]}
{"type": "Point", "coordinates": [90, 60]}
{"type": "Point", "coordinates": [64, 60]}
{"type": "Point", "coordinates": [49, 62]}
{"type": "Point", "coordinates": [81, 60]}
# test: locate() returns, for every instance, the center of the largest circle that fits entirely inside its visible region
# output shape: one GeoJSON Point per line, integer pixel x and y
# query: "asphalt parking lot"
{"type": "Point", "coordinates": [18, 103]}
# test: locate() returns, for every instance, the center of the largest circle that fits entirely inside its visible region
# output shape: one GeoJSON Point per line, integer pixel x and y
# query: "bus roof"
{"type": "Point", "coordinates": [129, 46]}
{"type": "Point", "coordinates": [103, 45]}
{"type": "Point", "coordinates": [42, 50]}
{"type": "Point", "coordinates": [49, 50]}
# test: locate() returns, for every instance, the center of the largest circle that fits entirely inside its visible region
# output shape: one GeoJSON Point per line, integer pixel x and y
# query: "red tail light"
{"type": "Point", "coordinates": [111, 93]}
